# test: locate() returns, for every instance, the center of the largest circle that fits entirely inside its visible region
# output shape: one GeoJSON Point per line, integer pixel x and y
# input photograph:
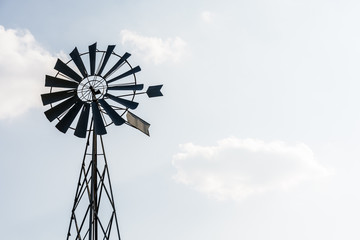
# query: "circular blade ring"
{"type": "Point", "coordinates": [80, 87]}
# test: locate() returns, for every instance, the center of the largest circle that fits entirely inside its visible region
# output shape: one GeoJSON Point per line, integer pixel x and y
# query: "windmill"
{"type": "Point", "coordinates": [88, 100]}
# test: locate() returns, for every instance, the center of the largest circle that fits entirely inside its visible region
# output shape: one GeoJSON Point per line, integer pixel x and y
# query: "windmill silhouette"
{"type": "Point", "coordinates": [88, 102]}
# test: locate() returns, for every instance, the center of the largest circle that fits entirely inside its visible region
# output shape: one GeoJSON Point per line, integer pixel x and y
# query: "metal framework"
{"type": "Point", "coordinates": [93, 215]}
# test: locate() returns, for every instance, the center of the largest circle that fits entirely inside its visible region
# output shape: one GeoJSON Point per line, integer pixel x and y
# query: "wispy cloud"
{"type": "Point", "coordinates": [23, 63]}
{"type": "Point", "coordinates": [207, 16]}
{"type": "Point", "coordinates": [154, 49]}
{"type": "Point", "coordinates": [237, 168]}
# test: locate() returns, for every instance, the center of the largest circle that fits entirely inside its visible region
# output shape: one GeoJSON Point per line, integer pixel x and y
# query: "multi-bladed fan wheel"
{"type": "Point", "coordinates": [108, 89]}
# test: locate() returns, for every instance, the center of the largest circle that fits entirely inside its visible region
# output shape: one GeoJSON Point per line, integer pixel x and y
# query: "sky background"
{"type": "Point", "coordinates": [257, 135]}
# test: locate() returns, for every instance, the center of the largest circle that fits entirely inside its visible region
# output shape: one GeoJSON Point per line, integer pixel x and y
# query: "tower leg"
{"type": "Point", "coordinates": [93, 214]}
{"type": "Point", "coordinates": [93, 234]}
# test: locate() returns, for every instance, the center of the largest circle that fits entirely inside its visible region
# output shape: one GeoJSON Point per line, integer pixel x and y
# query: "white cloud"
{"type": "Point", "coordinates": [23, 65]}
{"type": "Point", "coordinates": [207, 16]}
{"type": "Point", "coordinates": [237, 168]}
{"type": "Point", "coordinates": [154, 49]}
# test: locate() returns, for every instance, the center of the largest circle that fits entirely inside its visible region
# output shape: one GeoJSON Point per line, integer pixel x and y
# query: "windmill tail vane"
{"type": "Point", "coordinates": [89, 93]}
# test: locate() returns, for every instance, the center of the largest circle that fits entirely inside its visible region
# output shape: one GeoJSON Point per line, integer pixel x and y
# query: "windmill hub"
{"type": "Point", "coordinates": [92, 88]}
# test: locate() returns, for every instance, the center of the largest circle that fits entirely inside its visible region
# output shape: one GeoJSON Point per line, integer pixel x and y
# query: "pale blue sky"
{"type": "Point", "coordinates": [257, 135]}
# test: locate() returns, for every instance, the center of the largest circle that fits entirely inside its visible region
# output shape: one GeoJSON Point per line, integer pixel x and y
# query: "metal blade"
{"type": "Point", "coordinates": [115, 117]}
{"type": "Point", "coordinates": [106, 58]}
{"type": "Point", "coordinates": [81, 127]}
{"type": "Point", "coordinates": [48, 98]}
{"type": "Point", "coordinates": [92, 54]}
{"type": "Point", "coordinates": [56, 111]}
{"type": "Point", "coordinates": [121, 60]}
{"type": "Point", "coordinates": [99, 126]}
{"type": "Point", "coordinates": [75, 56]}
{"type": "Point", "coordinates": [127, 87]}
{"type": "Point", "coordinates": [58, 82]}
{"type": "Point", "coordinates": [65, 69]}
{"type": "Point", "coordinates": [131, 71]}
{"type": "Point", "coordinates": [64, 124]}
{"type": "Point", "coordinates": [154, 91]}
{"type": "Point", "coordinates": [125, 102]}
{"type": "Point", "coordinates": [138, 123]}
